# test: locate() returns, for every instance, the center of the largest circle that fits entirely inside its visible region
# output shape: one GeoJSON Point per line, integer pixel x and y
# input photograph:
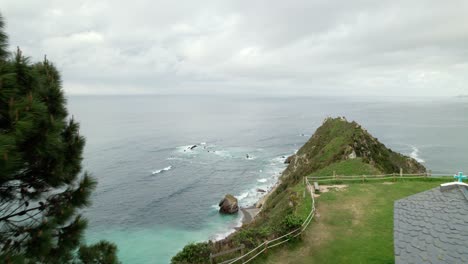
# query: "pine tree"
{"type": "Point", "coordinates": [42, 187]}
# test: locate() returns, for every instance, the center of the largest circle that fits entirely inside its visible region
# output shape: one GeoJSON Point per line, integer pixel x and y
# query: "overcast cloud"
{"type": "Point", "coordinates": [262, 47]}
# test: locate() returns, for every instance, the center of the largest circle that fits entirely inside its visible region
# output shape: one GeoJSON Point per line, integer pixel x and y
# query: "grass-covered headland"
{"type": "Point", "coordinates": [353, 224]}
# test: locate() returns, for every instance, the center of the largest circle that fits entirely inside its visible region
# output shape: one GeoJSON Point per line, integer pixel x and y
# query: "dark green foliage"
{"type": "Point", "coordinates": [3, 41]}
{"type": "Point", "coordinates": [348, 167]}
{"type": "Point", "coordinates": [100, 253]}
{"type": "Point", "coordinates": [41, 185]}
{"type": "Point", "coordinates": [335, 141]}
{"type": "Point", "coordinates": [292, 222]}
{"type": "Point", "coordinates": [252, 237]}
{"type": "Point", "coordinates": [193, 253]}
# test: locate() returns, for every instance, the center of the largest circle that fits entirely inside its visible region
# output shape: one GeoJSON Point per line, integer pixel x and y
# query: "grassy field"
{"type": "Point", "coordinates": [352, 225]}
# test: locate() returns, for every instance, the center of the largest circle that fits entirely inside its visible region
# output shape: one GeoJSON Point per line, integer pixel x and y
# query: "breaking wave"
{"type": "Point", "coordinates": [161, 170]}
{"type": "Point", "coordinates": [242, 196]}
{"type": "Point", "coordinates": [415, 154]}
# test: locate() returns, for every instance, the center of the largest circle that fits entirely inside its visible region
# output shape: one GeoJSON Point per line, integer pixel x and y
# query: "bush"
{"type": "Point", "coordinates": [250, 237]}
{"type": "Point", "coordinates": [292, 221]}
{"type": "Point", "coordinates": [193, 253]}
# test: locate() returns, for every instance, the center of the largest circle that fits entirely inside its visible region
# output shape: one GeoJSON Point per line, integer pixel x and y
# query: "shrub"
{"type": "Point", "coordinates": [251, 237]}
{"type": "Point", "coordinates": [292, 221]}
{"type": "Point", "coordinates": [193, 253]}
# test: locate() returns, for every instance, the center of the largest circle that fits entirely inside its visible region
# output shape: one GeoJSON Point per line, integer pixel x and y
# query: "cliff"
{"type": "Point", "coordinates": [337, 145]}
{"type": "Point", "coordinates": [338, 140]}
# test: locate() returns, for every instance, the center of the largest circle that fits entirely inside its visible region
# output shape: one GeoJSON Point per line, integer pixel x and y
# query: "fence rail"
{"type": "Point", "coordinates": [249, 256]}
{"type": "Point", "coordinates": [252, 254]}
{"type": "Point", "coordinates": [372, 177]}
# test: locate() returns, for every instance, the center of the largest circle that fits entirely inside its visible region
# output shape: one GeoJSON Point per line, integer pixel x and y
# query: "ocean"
{"type": "Point", "coordinates": [157, 192]}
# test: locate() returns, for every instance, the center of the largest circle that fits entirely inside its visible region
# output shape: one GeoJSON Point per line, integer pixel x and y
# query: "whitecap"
{"type": "Point", "coordinates": [262, 180]}
{"type": "Point", "coordinates": [242, 196]}
{"type": "Point", "coordinates": [278, 160]}
{"type": "Point", "coordinates": [222, 153]}
{"type": "Point", "coordinates": [232, 229]}
{"type": "Point", "coordinates": [415, 154]}
{"type": "Point", "coordinates": [161, 170]}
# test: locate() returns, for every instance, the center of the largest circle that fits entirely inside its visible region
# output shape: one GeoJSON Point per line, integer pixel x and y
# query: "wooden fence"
{"type": "Point", "coordinates": [249, 256]}
{"type": "Point", "coordinates": [252, 254]}
{"type": "Point", "coordinates": [391, 176]}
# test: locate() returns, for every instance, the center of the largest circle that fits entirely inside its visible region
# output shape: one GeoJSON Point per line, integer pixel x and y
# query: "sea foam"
{"type": "Point", "coordinates": [242, 196]}
{"type": "Point", "coordinates": [161, 170]}
{"type": "Point", "coordinates": [415, 154]}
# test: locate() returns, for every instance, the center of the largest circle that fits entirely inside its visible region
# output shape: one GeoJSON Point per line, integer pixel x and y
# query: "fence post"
{"type": "Point", "coordinates": [266, 246]}
{"type": "Point", "coordinates": [401, 172]}
{"type": "Point", "coordinates": [305, 185]}
{"type": "Point", "coordinates": [242, 252]}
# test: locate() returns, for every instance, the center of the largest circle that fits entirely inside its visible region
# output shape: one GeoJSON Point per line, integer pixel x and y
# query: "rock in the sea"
{"type": "Point", "coordinates": [260, 190]}
{"type": "Point", "coordinates": [288, 159]}
{"type": "Point", "coordinates": [228, 205]}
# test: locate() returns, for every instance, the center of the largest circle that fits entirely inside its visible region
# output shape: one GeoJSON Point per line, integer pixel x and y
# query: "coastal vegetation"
{"type": "Point", "coordinates": [42, 187]}
{"type": "Point", "coordinates": [337, 147]}
{"type": "Point", "coordinates": [353, 225]}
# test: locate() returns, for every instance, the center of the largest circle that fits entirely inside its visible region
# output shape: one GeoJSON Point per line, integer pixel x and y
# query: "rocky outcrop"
{"type": "Point", "coordinates": [337, 140]}
{"type": "Point", "coordinates": [228, 205]}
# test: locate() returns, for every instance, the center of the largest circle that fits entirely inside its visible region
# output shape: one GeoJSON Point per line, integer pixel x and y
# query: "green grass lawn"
{"type": "Point", "coordinates": [354, 225]}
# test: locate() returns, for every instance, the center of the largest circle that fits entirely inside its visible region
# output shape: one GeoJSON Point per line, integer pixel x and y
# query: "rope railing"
{"type": "Point", "coordinates": [371, 177]}
{"type": "Point", "coordinates": [252, 254]}
{"type": "Point", "coordinates": [249, 256]}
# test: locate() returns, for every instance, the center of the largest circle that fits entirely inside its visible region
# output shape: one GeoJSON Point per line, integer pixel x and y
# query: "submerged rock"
{"type": "Point", "coordinates": [228, 205]}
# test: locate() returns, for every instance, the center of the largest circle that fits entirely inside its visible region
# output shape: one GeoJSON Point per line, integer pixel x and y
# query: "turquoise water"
{"type": "Point", "coordinates": [155, 195]}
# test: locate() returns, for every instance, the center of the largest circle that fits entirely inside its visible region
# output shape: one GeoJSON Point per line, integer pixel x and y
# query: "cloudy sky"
{"type": "Point", "coordinates": [384, 48]}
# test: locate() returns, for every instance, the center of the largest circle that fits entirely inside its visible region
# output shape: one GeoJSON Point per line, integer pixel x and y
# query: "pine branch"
{"type": "Point", "coordinates": [20, 213]}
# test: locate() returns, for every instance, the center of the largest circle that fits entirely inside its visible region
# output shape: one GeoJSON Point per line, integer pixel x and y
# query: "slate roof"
{"type": "Point", "coordinates": [432, 227]}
